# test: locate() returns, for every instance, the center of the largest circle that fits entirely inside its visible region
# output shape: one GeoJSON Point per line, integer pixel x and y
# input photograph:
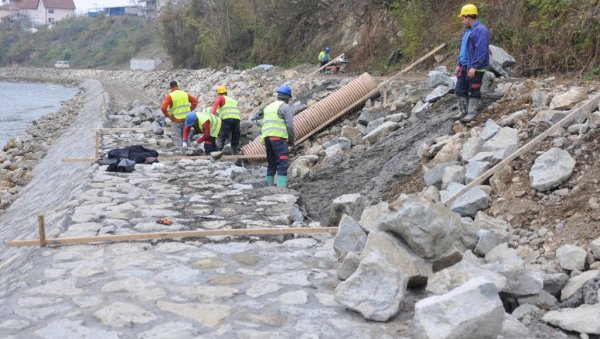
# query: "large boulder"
{"type": "Point", "coordinates": [500, 61]}
{"type": "Point", "coordinates": [437, 78]}
{"type": "Point", "coordinates": [428, 228]}
{"type": "Point", "coordinates": [568, 99]}
{"type": "Point", "coordinates": [375, 290]}
{"type": "Point", "coordinates": [505, 141]}
{"type": "Point", "coordinates": [595, 248]}
{"type": "Point", "coordinates": [472, 310]}
{"type": "Point", "coordinates": [350, 237]}
{"type": "Point", "coordinates": [513, 328]}
{"type": "Point", "coordinates": [368, 219]}
{"type": "Point", "coordinates": [438, 93]}
{"type": "Point", "coordinates": [456, 275]}
{"type": "Point", "coordinates": [489, 130]}
{"type": "Point", "coordinates": [471, 202]}
{"type": "Point", "coordinates": [571, 257]}
{"type": "Point", "coordinates": [554, 282]}
{"type": "Point", "coordinates": [415, 268]}
{"type": "Point", "coordinates": [520, 281]}
{"type": "Point", "coordinates": [583, 319]}
{"type": "Point", "coordinates": [470, 148]}
{"type": "Point", "coordinates": [434, 176]}
{"type": "Point", "coordinates": [351, 204]}
{"type": "Point", "coordinates": [577, 282]}
{"type": "Point", "coordinates": [381, 132]}
{"type": "Point", "coordinates": [551, 169]}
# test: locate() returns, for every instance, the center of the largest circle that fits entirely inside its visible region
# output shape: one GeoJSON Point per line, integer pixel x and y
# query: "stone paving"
{"type": "Point", "coordinates": [221, 287]}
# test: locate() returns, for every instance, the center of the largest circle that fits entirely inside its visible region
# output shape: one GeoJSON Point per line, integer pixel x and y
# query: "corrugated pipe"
{"type": "Point", "coordinates": [322, 111]}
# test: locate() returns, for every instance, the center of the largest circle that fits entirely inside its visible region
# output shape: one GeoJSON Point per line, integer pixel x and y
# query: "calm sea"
{"type": "Point", "coordinates": [22, 103]}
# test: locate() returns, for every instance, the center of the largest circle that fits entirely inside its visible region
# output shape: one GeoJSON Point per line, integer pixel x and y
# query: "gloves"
{"type": "Point", "coordinates": [184, 144]}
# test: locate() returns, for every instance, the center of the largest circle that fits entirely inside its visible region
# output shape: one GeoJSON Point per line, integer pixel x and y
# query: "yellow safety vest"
{"type": "Point", "coordinates": [273, 125]}
{"type": "Point", "coordinates": [229, 110]}
{"type": "Point", "coordinates": [321, 55]}
{"type": "Point", "coordinates": [181, 104]}
{"type": "Point", "coordinates": [215, 122]}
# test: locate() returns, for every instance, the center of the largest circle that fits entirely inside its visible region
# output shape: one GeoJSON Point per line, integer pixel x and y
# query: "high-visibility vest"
{"type": "Point", "coordinates": [321, 55]}
{"type": "Point", "coordinates": [229, 110]}
{"type": "Point", "coordinates": [273, 125]}
{"type": "Point", "coordinates": [215, 122]}
{"type": "Point", "coordinates": [181, 104]}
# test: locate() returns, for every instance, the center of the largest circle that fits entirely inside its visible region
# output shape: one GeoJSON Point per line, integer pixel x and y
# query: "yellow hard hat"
{"type": "Point", "coordinates": [469, 9]}
{"type": "Point", "coordinates": [221, 89]}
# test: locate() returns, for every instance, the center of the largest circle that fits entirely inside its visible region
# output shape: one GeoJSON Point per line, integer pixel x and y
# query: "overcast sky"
{"type": "Point", "coordinates": [83, 5]}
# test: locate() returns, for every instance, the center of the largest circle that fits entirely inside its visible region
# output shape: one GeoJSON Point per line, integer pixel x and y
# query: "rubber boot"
{"type": "Point", "coordinates": [235, 151]}
{"type": "Point", "coordinates": [281, 181]}
{"type": "Point", "coordinates": [472, 111]}
{"type": "Point", "coordinates": [269, 180]}
{"type": "Point", "coordinates": [463, 103]}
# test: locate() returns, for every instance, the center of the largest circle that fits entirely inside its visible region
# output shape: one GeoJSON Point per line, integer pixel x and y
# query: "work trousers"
{"type": "Point", "coordinates": [177, 133]}
{"type": "Point", "coordinates": [210, 145]}
{"type": "Point", "coordinates": [277, 156]}
{"type": "Point", "coordinates": [468, 87]}
{"type": "Point", "coordinates": [230, 126]}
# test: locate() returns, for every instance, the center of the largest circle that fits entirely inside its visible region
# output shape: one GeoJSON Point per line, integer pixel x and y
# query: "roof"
{"type": "Point", "coordinates": [33, 4]}
{"type": "Point", "coordinates": [60, 4]}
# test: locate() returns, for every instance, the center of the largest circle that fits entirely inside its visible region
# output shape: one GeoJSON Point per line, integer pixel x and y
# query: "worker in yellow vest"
{"type": "Point", "coordinates": [277, 135]}
{"type": "Point", "coordinates": [227, 110]}
{"type": "Point", "coordinates": [208, 124]}
{"type": "Point", "coordinates": [176, 106]}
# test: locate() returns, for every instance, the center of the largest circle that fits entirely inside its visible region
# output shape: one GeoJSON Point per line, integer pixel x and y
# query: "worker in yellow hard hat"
{"type": "Point", "coordinates": [226, 108]}
{"type": "Point", "coordinates": [473, 61]}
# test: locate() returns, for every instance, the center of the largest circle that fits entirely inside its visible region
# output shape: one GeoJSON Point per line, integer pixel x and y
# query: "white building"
{"type": "Point", "coordinates": [40, 12]}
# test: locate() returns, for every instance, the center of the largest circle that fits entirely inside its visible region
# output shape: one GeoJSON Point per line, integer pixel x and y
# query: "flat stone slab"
{"type": "Point", "coordinates": [120, 314]}
{"type": "Point", "coordinates": [583, 319]}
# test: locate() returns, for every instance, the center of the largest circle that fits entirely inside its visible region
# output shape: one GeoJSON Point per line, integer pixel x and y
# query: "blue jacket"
{"type": "Point", "coordinates": [478, 47]}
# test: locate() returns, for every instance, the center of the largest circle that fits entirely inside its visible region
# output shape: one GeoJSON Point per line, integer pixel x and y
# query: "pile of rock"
{"type": "Point", "coordinates": [476, 285]}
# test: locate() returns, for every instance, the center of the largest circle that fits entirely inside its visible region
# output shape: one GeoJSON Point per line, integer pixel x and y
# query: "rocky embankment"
{"type": "Point", "coordinates": [515, 257]}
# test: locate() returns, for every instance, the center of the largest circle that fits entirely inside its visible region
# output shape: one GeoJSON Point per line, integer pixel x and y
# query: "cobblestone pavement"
{"type": "Point", "coordinates": [221, 287]}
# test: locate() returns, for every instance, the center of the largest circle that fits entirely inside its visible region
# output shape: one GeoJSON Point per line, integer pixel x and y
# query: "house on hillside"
{"type": "Point", "coordinates": [39, 12]}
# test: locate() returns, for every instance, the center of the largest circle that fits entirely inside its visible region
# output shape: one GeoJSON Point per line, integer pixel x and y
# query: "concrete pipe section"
{"type": "Point", "coordinates": [322, 111]}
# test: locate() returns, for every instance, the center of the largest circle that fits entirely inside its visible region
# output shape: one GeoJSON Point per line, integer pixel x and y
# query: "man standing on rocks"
{"type": "Point", "coordinates": [176, 106]}
{"type": "Point", "coordinates": [473, 61]}
{"type": "Point", "coordinates": [277, 134]}
{"type": "Point", "coordinates": [207, 123]}
{"type": "Point", "coordinates": [324, 57]}
{"type": "Point", "coordinates": [229, 113]}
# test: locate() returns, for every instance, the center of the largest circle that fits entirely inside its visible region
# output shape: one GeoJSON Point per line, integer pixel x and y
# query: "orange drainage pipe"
{"type": "Point", "coordinates": [322, 111]}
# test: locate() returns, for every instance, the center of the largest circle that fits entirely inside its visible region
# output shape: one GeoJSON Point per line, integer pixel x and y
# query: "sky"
{"type": "Point", "coordinates": [83, 5]}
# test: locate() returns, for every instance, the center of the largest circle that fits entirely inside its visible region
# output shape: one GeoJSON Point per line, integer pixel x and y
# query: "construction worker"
{"type": "Point", "coordinates": [277, 135]}
{"type": "Point", "coordinates": [208, 124]}
{"type": "Point", "coordinates": [229, 113]}
{"type": "Point", "coordinates": [176, 106]}
{"type": "Point", "coordinates": [473, 61]}
{"type": "Point", "coordinates": [324, 56]}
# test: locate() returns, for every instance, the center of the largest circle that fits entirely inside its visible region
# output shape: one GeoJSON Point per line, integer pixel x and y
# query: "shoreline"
{"type": "Point", "coordinates": [20, 154]}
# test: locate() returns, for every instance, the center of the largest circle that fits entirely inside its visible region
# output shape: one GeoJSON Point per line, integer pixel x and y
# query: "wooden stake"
{"type": "Point", "coordinates": [175, 158]}
{"type": "Point", "coordinates": [42, 230]}
{"type": "Point", "coordinates": [585, 109]}
{"type": "Point", "coordinates": [124, 129]}
{"type": "Point", "coordinates": [175, 235]}
{"type": "Point", "coordinates": [385, 97]}
{"type": "Point", "coordinates": [97, 144]}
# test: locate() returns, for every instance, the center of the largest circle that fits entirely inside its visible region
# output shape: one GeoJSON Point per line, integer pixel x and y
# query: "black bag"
{"type": "Point", "coordinates": [124, 165]}
{"type": "Point", "coordinates": [136, 153]}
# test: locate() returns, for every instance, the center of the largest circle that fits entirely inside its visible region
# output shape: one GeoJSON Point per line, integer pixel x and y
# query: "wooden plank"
{"type": "Point", "coordinates": [175, 158]}
{"type": "Point", "coordinates": [585, 109]}
{"type": "Point", "coordinates": [42, 230]}
{"type": "Point", "coordinates": [368, 95]}
{"type": "Point", "coordinates": [123, 129]}
{"type": "Point", "coordinates": [175, 235]}
{"type": "Point", "coordinates": [88, 160]}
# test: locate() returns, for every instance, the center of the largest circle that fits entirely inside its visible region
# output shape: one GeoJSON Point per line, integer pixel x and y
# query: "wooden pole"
{"type": "Point", "coordinates": [97, 144]}
{"type": "Point", "coordinates": [585, 109]}
{"type": "Point", "coordinates": [175, 235]}
{"type": "Point", "coordinates": [124, 129]}
{"type": "Point", "coordinates": [368, 95]}
{"type": "Point", "coordinates": [183, 157]}
{"type": "Point", "coordinates": [42, 230]}
{"type": "Point", "coordinates": [385, 97]}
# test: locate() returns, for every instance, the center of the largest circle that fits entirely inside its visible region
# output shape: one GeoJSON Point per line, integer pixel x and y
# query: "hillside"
{"type": "Point", "coordinates": [101, 42]}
